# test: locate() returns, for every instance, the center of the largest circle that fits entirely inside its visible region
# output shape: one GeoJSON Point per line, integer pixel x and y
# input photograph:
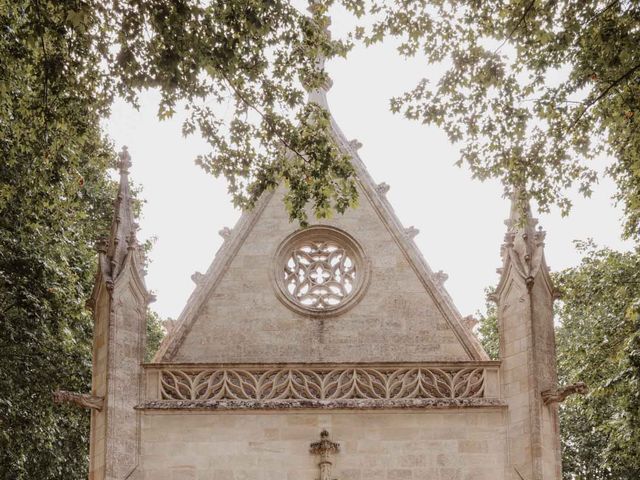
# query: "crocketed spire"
{"type": "Point", "coordinates": [319, 95]}
{"type": "Point", "coordinates": [523, 246]}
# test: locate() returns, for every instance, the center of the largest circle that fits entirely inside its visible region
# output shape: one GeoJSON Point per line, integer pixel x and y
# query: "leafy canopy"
{"type": "Point", "coordinates": [535, 90]}
{"type": "Point", "coordinates": [599, 343]}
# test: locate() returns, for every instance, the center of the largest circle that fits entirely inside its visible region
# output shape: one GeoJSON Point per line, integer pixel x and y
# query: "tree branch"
{"type": "Point", "coordinates": [604, 93]}
{"type": "Point", "coordinates": [263, 116]}
{"type": "Point", "coordinates": [522, 19]}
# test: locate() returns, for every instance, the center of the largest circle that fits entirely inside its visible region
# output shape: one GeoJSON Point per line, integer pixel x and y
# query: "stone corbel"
{"type": "Point", "coordinates": [82, 400]}
{"type": "Point", "coordinates": [559, 395]}
{"type": "Point", "coordinates": [325, 448]}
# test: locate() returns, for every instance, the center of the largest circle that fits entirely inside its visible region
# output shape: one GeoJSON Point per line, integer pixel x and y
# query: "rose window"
{"type": "Point", "coordinates": [319, 275]}
{"type": "Point", "coordinates": [319, 270]}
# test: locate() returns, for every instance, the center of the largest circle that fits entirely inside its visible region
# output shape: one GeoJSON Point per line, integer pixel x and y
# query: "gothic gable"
{"type": "Point", "coordinates": [398, 311]}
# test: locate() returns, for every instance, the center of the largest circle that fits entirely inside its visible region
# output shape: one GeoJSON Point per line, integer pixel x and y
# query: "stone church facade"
{"type": "Point", "coordinates": [331, 352]}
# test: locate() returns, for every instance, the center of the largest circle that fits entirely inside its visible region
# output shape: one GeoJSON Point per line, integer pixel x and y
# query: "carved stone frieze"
{"type": "Point", "coordinates": [340, 383]}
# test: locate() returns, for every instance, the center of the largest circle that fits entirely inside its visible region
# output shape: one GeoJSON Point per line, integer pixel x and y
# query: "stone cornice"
{"type": "Point", "coordinates": [350, 404]}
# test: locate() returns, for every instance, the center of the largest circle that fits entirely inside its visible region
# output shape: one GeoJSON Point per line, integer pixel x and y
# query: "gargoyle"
{"type": "Point", "coordinates": [80, 399]}
{"type": "Point", "coordinates": [558, 395]}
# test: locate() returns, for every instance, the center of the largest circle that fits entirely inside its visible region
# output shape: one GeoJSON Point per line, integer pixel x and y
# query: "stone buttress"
{"type": "Point", "coordinates": [119, 303]}
{"type": "Point", "coordinates": [525, 296]}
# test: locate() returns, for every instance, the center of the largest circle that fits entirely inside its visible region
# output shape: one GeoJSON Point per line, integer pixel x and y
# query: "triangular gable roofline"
{"type": "Point", "coordinates": [232, 244]}
{"type": "Point", "coordinates": [214, 274]}
{"type": "Point", "coordinates": [415, 257]}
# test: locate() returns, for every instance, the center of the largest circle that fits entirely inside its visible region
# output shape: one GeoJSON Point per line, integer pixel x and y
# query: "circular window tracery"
{"type": "Point", "coordinates": [320, 270]}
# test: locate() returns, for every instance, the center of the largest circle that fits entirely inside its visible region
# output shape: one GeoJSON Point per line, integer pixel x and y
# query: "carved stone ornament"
{"type": "Point", "coordinates": [559, 395]}
{"type": "Point", "coordinates": [271, 384]}
{"type": "Point", "coordinates": [320, 270]}
{"type": "Point", "coordinates": [383, 188]}
{"type": "Point", "coordinates": [355, 144]}
{"type": "Point", "coordinates": [197, 277]}
{"type": "Point", "coordinates": [79, 399]}
{"type": "Point", "coordinates": [470, 322]}
{"type": "Point", "coordinates": [440, 277]}
{"type": "Point", "coordinates": [225, 233]}
{"type": "Point", "coordinates": [411, 232]}
{"type": "Point", "coordinates": [325, 448]}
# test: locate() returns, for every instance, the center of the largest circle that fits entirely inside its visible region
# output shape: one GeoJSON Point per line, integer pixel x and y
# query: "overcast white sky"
{"type": "Point", "coordinates": [460, 219]}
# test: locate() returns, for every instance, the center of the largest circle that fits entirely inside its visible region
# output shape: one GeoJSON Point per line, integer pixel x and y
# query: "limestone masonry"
{"type": "Point", "coordinates": [332, 352]}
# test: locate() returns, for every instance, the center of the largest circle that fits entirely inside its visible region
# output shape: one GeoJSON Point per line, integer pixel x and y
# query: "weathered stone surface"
{"type": "Point", "coordinates": [350, 404]}
{"type": "Point", "coordinates": [459, 444]}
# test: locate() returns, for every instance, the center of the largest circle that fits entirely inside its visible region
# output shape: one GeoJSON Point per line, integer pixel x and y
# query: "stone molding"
{"type": "Point", "coordinates": [353, 404]}
{"type": "Point", "coordinates": [319, 385]}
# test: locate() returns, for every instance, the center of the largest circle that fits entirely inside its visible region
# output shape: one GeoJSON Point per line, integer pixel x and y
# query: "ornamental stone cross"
{"type": "Point", "coordinates": [325, 448]}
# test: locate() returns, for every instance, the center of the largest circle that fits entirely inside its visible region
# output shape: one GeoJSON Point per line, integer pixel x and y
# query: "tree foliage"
{"type": "Point", "coordinates": [155, 334]}
{"type": "Point", "coordinates": [55, 201]}
{"type": "Point", "coordinates": [236, 66]}
{"type": "Point", "coordinates": [488, 332]}
{"type": "Point", "coordinates": [535, 88]}
{"type": "Point", "coordinates": [55, 204]}
{"type": "Point", "coordinates": [599, 343]}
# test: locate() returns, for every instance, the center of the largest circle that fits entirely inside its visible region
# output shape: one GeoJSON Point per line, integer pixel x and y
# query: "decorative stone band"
{"type": "Point", "coordinates": [313, 386]}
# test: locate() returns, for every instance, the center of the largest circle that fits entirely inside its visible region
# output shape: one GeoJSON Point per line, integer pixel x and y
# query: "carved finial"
{"type": "Point", "coordinates": [523, 245]}
{"type": "Point", "coordinates": [440, 277]}
{"type": "Point", "coordinates": [319, 95]}
{"type": "Point", "coordinates": [355, 144]}
{"type": "Point", "coordinates": [225, 233]}
{"type": "Point", "coordinates": [559, 395]}
{"type": "Point", "coordinates": [411, 232]}
{"type": "Point", "coordinates": [325, 448]}
{"type": "Point", "coordinates": [124, 161]}
{"type": "Point", "coordinates": [197, 277]}
{"type": "Point", "coordinates": [383, 188]}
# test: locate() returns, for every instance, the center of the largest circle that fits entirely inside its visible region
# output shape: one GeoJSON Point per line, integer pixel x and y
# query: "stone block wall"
{"type": "Point", "coordinates": [386, 445]}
